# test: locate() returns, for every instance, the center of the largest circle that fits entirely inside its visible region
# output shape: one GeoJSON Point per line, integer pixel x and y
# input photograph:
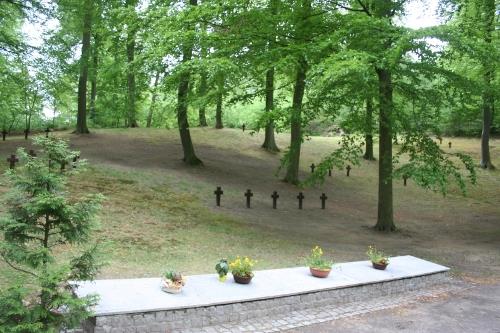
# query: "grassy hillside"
{"type": "Point", "coordinates": [159, 213]}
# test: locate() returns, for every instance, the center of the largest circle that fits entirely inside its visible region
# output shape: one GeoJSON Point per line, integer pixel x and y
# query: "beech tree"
{"type": "Point", "coordinates": [81, 120]}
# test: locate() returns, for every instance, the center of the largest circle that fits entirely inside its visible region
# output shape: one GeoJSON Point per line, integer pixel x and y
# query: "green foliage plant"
{"type": "Point", "coordinates": [47, 238]}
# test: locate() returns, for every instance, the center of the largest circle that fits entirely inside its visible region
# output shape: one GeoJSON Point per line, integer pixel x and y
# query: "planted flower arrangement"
{"type": "Point", "coordinates": [318, 265]}
{"type": "Point", "coordinates": [378, 258]}
{"type": "Point", "coordinates": [172, 282]}
{"type": "Point", "coordinates": [242, 269]}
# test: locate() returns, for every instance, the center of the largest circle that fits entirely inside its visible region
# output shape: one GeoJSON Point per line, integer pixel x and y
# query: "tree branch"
{"type": "Point", "coordinates": [17, 268]}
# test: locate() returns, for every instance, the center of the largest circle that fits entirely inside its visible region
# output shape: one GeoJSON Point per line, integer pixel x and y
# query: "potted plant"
{"type": "Point", "coordinates": [241, 268]}
{"type": "Point", "coordinates": [222, 269]}
{"type": "Point", "coordinates": [172, 282]}
{"type": "Point", "coordinates": [378, 258]}
{"type": "Point", "coordinates": [319, 266]}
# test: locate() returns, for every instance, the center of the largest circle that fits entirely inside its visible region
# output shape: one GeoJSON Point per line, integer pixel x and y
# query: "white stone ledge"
{"type": "Point", "coordinates": [127, 296]}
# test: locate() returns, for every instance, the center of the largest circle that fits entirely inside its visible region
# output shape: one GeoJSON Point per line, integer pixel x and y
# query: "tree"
{"type": "Point", "coordinates": [190, 157]}
{"type": "Point", "coordinates": [219, 83]}
{"type": "Point", "coordinates": [368, 155]}
{"type": "Point", "coordinates": [154, 96]}
{"type": "Point", "coordinates": [81, 120]}
{"type": "Point", "coordinates": [131, 86]}
{"type": "Point", "coordinates": [486, 15]}
{"type": "Point", "coordinates": [42, 219]}
{"type": "Point", "coordinates": [304, 11]}
{"type": "Point", "coordinates": [269, 140]}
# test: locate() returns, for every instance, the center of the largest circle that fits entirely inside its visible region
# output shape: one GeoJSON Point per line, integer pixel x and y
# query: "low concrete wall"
{"type": "Point", "coordinates": [196, 317]}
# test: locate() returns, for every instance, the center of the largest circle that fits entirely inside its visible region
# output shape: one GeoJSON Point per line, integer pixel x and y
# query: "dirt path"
{"type": "Point", "coordinates": [463, 233]}
{"type": "Point", "coordinates": [476, 310]}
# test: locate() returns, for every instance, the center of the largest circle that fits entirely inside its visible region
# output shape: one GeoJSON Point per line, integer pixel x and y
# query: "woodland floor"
{"type": "Point", "coordinates": [160, 213]}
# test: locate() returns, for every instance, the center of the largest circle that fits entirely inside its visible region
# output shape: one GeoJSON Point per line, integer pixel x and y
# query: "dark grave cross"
{"type": "Point", "coordinates": [47, 131]}
{"type": "Point", "coordinates": [12, 161]}
{"type": "Point", "coordinates": [300, 197]}
{"type": "Point", "coordinates": [449, 144]}
{"type": "Point", "coordinates": [218, 192]}
{"type": "Point", "coordinates": [4, 134]}
{"type": "Point", "coordinates": [312, 168]}
{"type": "Point", "coordinates": [243, 127]}
{"type": "Point", "coordinates": [275, 197]}
{"type": "Point", "coordinates": [348, 168]}
{"type": "Point", "coordinates": [330, 172]}
{"type": "Point", "coordinates": [26, 132]}
{"type": "Point", "coordinates": [249, 195]}
{"type": "Point", "coordinates": [32, 153]}
{"type": "Point", "coordinates": [323, 198]}
{"type": "Point", "coordinates": [75, 159]}
{"type": "Point", "coordinates": [405, 178]}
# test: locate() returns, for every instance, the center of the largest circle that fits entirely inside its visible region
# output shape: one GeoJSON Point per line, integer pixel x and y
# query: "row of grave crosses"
{"type": "Point", "coordinates": [347, 168]}
{"type": "Point", "coordinates": [13, 160]}
{"type": "Point", "coordinates": [26, 133]}
{"type": "Point", "coordinates": [248, 194]}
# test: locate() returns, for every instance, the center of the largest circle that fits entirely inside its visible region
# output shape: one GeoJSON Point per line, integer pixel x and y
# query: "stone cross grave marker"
{"type": "Point", "coordinates": [218, 192]}
{"type": "Point", "coordinates": [12, 161]}
{"type": "Point", "coordinates": [348, 168]}
{"type": "Point", "coordinates": [4, 134]}
{"type": "Point", "coordinates": [312, 168]}
{"type": "Point", "coordinates": [449, 144]}
{"type": "Point", "coordinates": [47, 131]}
{"type": "Point", "coordinates": [275, 197]}
{"type": "Point", "coordinates": [405, 178]}
{"type": "Point", "coordinates": [249, 195]}
{"type": "Point", "coordinates": [300, 197]}
{"type": "Point", "coordinates": [32, 153]}
{"type": "Point", "coordinates": [323, 198]}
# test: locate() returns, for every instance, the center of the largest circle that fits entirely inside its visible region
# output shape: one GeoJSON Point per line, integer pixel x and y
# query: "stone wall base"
{"type": "Point", "coordinates": [196, 317]}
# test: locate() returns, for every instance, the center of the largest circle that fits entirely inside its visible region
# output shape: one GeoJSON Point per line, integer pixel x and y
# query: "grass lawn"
{"type": "Point", "coordinates": [160, 214]}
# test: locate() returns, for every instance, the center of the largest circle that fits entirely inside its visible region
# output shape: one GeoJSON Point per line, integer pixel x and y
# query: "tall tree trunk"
{"type": "Point", "coordinates": [182, 105]}
{"type": "Point", "coordinates": [93, 82]}
{"type": "Point", "coordinates": [487, 97]}
{"type": "Point", "coordinates": [81, 119]}
{"type": "Point", "coordinates": [369, 131]}
{"type": "Point", "coordinates": [202, 110]}
{"type": "Point", "coordinates": [220, 96]}
{"type": "Point", "coordinates": [269, 141]}
{"type": "Point", "coordinates": [385, 219]}
{"type": "Point", "coordinates": [202, 115]}
{"type": "Point", "coordinates": [131, 89]}
{"type": "Point", "coordinates": [292, 172]}
{"type": "Point", "coordinates": [153, 100]}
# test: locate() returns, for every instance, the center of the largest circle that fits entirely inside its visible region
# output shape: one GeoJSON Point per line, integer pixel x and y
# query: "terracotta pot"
{"type": "Point", "coordinates": [320, 273]}
{"type": "Point", "coordinates": [378, 265]}
{"type": "Point", "coordinates": [242, 279]}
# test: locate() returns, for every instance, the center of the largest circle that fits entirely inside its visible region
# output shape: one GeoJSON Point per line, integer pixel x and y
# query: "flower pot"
{"type": "Point", "coordinates": [171, 290]}
{"type": "Point", "coordinates": [319, 273]}
{"type": "Point", "coordinates": [378, 265]}
{"type": "Point", "coordinates": [170, 287]}
{"type": "Point", "coordinates": [242, 279]}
